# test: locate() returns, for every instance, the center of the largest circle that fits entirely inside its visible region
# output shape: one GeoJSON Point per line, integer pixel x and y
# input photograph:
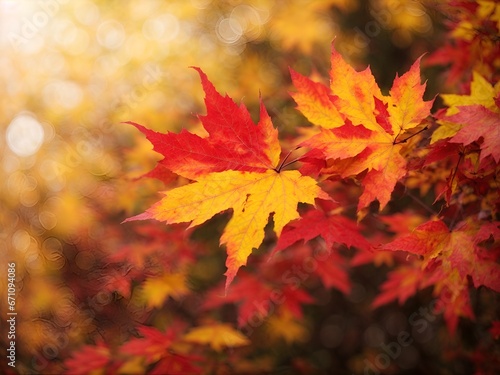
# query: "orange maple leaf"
{"type": "Point", "coordinates": [363, 126]}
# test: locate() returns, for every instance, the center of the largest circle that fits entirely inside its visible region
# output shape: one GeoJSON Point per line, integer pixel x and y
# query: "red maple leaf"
{"type": "Point", "coordinates": [250, 293]}
{"type": "Point", "coordinates": [152, 346]}
{"type": "Point", "coordinates": [332, 228]}
{"type": "Point", "coordinates": [88, 359]}
{"type": "Point", "coordinates": [233, 142]}
{"type": "Point", "coordinates": [404, 282]}
{"type": "Point", "coordinates": [178, 364]}
{"type": "Point", "coordinates": [479, 122]}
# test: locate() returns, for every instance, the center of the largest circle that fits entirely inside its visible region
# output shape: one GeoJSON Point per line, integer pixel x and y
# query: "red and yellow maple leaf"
{"type": "Point", "coordinates": [361, 125]}
{"type": "Point", "coordinates": [482, 93]}
{"type": "Point", "coordinates": [235, 167]}
{"type": "Point", "coordinates": [457, 250]}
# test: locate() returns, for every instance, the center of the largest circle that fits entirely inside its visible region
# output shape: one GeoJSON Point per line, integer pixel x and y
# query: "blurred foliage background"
{"type": "Point", "coordinates": [72, 71]}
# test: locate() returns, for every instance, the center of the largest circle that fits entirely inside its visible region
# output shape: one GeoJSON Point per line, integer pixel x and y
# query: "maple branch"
{"type": "Point", "coordinates": [460, 156]}
{"type": "Point", "coordinates": [460, 208]}
{"type": "Point", "coordinates": [411, 136]}
{"type": "Point", "coordinates": [421, 203]}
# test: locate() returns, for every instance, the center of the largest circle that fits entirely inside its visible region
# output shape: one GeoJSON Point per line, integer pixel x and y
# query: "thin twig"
{"type": "Point", "coordinates": [421, 203]}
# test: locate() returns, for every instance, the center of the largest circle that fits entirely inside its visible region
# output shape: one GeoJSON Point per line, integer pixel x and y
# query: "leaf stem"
{"type": "Point", "coordinates": [411, 136]}
{"type": "Point", "coordinates": [282, 164]}
{"type": "Point", "coordinates": [291, 162]}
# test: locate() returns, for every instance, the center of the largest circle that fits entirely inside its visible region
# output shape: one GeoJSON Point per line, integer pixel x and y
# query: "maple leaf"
{"type": "Point", "coordinates": [457, 250]}
{"type": "Point", "coordinates": [284, 325]}
{"type": "Point", "coordinates": [157, 346]}
{"type": "Point", "coordinates": [152, 346]}
{"type": "Point", "coordinates": [217, 335]}
{"type": "Point", "coordinates": [478, 122]}
{"type": "Point", "coordinates": [402, 283]}
{"type": "Point", "coordinates": [332, 228]}
{"type": "Point", "coordinates": [482, 93]}
{"type": "Point", "coordinates": [453, 300]}
{"type": "Point", "coordinates": [156, 289]}
{"type": "Point", "coordinates": [234, 142]}
{"type": "Point", "coordinates": [88, 359]}
{"type": "Point", "coordinates": [363, 126]}
{"type": "Point", "coordinates": [256, 299]}
{"type": "Point", "coordinates": [252, 294]}
{"type": "Point", "coordinates": [235, 167]}
{"type": "Point", "coordinates": [333, 274]}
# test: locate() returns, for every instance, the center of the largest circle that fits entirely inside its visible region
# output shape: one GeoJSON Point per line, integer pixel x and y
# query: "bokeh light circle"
{"type": "Point", "coordinates": [111, 34]}
{"type": "Point", "coordinates": [24, 135]}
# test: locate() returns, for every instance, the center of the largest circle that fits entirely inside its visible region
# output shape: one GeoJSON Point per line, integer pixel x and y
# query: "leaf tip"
{"type": "Point", "coordinates": [144, 216]}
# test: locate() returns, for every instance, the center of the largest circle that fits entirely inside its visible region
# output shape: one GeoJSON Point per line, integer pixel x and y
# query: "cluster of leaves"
{"type": "Point", "coordinates": [361, 135]}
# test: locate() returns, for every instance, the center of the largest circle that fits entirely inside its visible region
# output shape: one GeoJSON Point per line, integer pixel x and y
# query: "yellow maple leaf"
{"type": "Point", "coordinates": [218, 336]}
{"type": "Point", "coordinates": [156, 289]}
{"type": "Point", "coordinates": [253, 196]}
{"type": "Point", "coordinates": [135, 365]}
{"type": "Point", "coordinates": [283, 325]}
{"type": "Point", "coordinates": [481, 93]}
